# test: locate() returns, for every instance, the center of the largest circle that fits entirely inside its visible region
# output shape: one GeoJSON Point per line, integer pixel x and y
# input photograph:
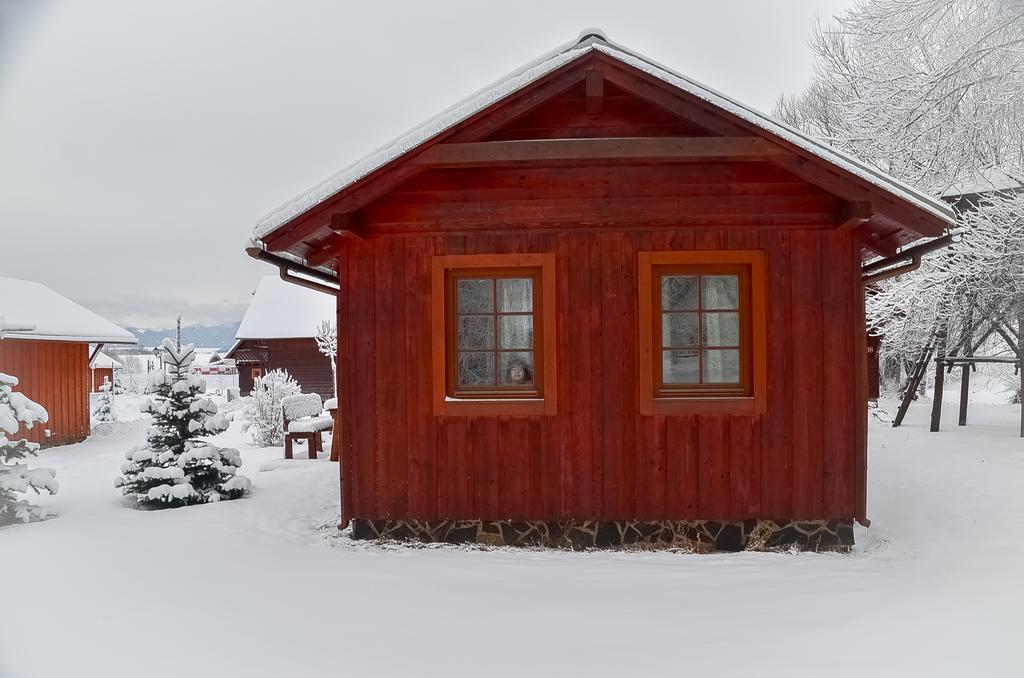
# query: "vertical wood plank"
{"type": "Point", "coordinates": [595, 307]}
{"type": "Point", "coordinates": [346, 388]}
{"type": "Point", "coordinates": [839, 360]}
{"type": "Point", "coordinates": [808, 438]}
{"type": "Point", "coordinates": [612, 375]}
{"type": "Point", "coordinates": [364, 423]}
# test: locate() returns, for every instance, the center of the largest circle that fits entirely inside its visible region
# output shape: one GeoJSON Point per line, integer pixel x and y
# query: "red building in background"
{"type": "Point", "coordinates": [51, 360]}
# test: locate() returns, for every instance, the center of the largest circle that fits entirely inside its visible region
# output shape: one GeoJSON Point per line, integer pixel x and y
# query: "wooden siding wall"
{"type": "Point", "coordinates": [96, 375]}
{"type": "Point", "coordinates": [55, 374]}
{"type": "Point", "coordinates": [598, 458]}
{"type": "Point", "coordinates": [300, 357]}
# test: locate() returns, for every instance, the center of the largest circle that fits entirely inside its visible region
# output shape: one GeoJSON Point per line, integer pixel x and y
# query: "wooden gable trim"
{"type": "Point", "coordinates": [798, 162]}
{"type": "Point", "coordinates": [388, 177]}
{"type": "Point", "coordinates": [668, 149]}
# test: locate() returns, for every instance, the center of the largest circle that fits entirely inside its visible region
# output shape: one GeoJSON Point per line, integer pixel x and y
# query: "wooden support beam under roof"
{"type": "Point", "coordinates": [326, 252]}
{"type": "Point", "coordinates": [883, 246]}
{"type": "Point", "coordinates": [617, 149]}
{"type": "Point", "coordinates": [814, 172]}
{"type": "Point", "coordinates": [348, 225]}
{"type": "Point", "coordinates": [853, 214]}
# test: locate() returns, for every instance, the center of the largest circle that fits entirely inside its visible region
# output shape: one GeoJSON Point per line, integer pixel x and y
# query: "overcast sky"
{"type": "Point", "coordinates": [140, 141]}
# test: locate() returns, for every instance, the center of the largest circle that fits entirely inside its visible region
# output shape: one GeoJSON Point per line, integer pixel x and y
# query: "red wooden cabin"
{"type": "Point", "coordinates": [49, 353]}
{"type": "Point", "coordinates": [277, 333]}
{"type": "Point", "coordinates": [599, 303]}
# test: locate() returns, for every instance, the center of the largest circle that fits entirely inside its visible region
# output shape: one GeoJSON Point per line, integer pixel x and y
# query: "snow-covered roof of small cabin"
{"type": "Point", "coordinates": [589, 40]}
{"type": "Point", "coordinates": [988, 180]}
{"type": "Point", "coordinates": [281, 310]}
{"type": "Point", "coordinates": [53, 316]}
{"type": "Point", "coordinates": [102, 360]}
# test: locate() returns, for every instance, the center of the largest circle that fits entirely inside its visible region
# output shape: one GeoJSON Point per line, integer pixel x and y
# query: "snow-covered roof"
{"type": "Point", "coordinates": [102, 360]}
{"type": "Point", "coordinates": [281, 310]}
{"type": "Point", "coordinates": [589, 40]}
{"type": "Point", "coordinates": [988, 180]}
{"type": "Point", "coordinates": [54, 317]}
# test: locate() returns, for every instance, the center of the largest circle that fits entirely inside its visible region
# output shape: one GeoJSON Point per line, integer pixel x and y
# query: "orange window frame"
{"type": "Point", "coordinates": [746, 398]}
{"type": "Point", "coordinates": [538, 399]}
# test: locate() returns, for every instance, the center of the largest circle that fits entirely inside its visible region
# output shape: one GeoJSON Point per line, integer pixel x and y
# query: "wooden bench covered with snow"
{"type": "Point", "coordinates": [304, 420]}
{"type": "Point", "coordinates": [331, 405]}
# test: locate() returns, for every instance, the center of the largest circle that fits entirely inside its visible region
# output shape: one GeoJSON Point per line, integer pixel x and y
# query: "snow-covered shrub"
{"type": "Point", "coordinates": [175, 467]}
{"type": "Point", "coordinates": [16, 478]}
{"type": "Point", "coordinates": [105, 403]}
{"type": "Point", "coordinates": [263, 411]}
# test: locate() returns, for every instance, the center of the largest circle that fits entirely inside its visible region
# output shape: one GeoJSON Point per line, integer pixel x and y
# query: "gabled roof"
{"type": "Point", "coordinates": [280, 310]}
{"type": "Point", "coordinates": [988, 180]}
{"type": "Point", "coordinates": [54, 317]}
{"type": "Point", "coordinates": [102, 360]}
{"type": "Point", "coordinates": [589, 42]}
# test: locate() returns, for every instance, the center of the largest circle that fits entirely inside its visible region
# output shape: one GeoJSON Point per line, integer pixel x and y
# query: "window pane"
{"type": "Point", "coordinates": [476, 331]}
{"type": "Point", "coordinates": [679, 329]}
{"type": "Point", "coordinates": [515, 295]}
{"type": "Point", "coordinates": [515, 331]}
{"type": "Point", "coordinates": [516, 368]}
{"type": "Point", "coordinates": [476, 369]}
{"type": "Point", "coordinates": [722, 366]}
{"type": "Point", "coordinates": [680, 367]}
{"type": "Point", "coordinates": [475, 296]}
{"type": "Point", "coordinates": [721, 291]}
{"type": "Point", "coordinates": [721, 329]}
{"type": "Point", "coordinates": [679, 293]}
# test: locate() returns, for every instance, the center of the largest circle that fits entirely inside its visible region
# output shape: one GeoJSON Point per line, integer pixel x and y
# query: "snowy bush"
{"type": "Point", "coordinates": [105, 403]}
{"type": "Point", "coordinates": [16, 478]}
{"type": "Point", "coordinates": [176, 467]}
{"type": "Point", "coordinates": [263, 411]}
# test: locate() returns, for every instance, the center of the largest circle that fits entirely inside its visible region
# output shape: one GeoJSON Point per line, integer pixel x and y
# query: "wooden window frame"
{"type": "Point", "coordinates": [538, 400]}
{"type": "Point", "coordinates": [744, 388]}
{"type": "Point", "coordinates": [655, 398]}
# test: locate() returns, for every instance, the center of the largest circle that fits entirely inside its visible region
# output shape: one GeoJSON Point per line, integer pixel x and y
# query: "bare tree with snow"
{"type": "Point", "coordinates": [327, 341]}
{"type": "Point", "coordinates": [931, 91]}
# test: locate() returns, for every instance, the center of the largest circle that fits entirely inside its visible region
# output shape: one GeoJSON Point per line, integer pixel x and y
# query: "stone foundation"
{"type": "Point", "coordinates": [697, 535]}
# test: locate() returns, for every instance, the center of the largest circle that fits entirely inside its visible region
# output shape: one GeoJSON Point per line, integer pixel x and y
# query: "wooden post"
{"type": "Point", "coordinates": [940, 377]}
{"type": "Point", "coordinates": [1020, 362]}
{"type": "Point", "coordinates": [916, 378]}
{"type": "Point", "coordinates": [965, 371]}
{"type": "Point", "coordinates": [965, 386]}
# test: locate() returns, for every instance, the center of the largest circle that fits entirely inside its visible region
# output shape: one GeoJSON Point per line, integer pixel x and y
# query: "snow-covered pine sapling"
{"type": "Point", "coordinates": [176, 467]}
{"type": "Point", "coordinates": [15, 477]}
{"type": "Point", "coordinates": [105, 403]}
{"type": "Point", "coordinates": [327, 342]}
{"type": "Point", "coordinates": [264, 421]}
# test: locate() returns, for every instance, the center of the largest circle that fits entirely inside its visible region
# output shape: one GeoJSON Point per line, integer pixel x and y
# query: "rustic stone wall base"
{"type": "Point", "coordinates": [698, 535]}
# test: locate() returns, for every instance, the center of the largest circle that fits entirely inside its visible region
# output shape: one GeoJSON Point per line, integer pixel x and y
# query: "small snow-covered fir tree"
{"type": "Point", "coordinates": [176, 467]}
{"type": "Point", "coordinates": [327, 341]}
{"type": "Point", "coordinates": [15, 477]}
{"type": "Point", "coordinates": [105, 403]}
{"type": "Point", "coordinates": [263, 411]}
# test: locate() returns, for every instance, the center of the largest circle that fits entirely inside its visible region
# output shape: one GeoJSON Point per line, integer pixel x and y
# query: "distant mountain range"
{"type": "Point", "coordinates": [212, 336]}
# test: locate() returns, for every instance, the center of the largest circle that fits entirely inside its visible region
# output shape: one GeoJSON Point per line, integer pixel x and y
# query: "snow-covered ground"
{"type": "Point", "coordinates": [264, 586]}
